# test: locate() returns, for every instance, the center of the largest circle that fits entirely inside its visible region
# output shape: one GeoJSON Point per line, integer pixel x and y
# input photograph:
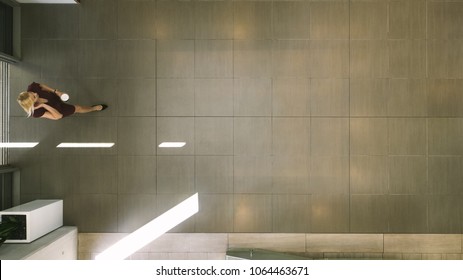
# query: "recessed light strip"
{"type": "Point", "coordinates": [19, 145]}
{"type": "Point", "coordinates": [172, 144]}
{"type": "Point", "coordinates": [85, 145]}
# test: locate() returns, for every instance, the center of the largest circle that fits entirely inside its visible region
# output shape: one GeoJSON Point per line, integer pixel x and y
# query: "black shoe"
{"type": "Point", "coordinates": [103, 106]}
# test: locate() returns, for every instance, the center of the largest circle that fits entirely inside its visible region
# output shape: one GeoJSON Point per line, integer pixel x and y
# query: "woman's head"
{"type": "Point", "coordinates": [27, 100]}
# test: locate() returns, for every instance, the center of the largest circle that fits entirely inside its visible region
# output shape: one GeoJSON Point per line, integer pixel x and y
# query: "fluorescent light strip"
{"type": "Point", "coordinates": [85, 145]}
{"type": "Point", "coordinates": [172, 144]}
{"type": "Point", "coordinates": [19, 145]}
{"type": "Point", "coordinates": [152, 230]}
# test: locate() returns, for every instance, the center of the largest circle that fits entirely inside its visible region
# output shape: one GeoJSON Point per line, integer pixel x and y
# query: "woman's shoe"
{"type": "Point", "coordinates": [103, 106]}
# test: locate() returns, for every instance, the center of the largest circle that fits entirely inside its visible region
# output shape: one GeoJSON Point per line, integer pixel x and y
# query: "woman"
{"type": "Point", "coordinates": [41, 101]}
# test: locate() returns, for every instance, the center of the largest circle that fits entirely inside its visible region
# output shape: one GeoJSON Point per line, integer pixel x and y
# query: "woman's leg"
{"type": "Point", "coordinates": [87, 109]}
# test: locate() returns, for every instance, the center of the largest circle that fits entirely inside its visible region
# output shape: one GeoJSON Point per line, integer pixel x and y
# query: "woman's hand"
{"type": "Point", "coordinates": [49, 89]}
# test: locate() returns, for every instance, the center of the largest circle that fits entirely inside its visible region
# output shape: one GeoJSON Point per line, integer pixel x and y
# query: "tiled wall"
{"type": "Point", "coordinates": [299, 116]}
{"type": "Point", "coordinates": [181, 246]}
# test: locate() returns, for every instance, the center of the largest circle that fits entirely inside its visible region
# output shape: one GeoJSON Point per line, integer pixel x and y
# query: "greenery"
{"type": "Point", "coordinates": [7, 227]}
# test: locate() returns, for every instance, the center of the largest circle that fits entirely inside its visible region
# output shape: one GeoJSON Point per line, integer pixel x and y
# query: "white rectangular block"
{"type": "Point", "coordinates": [41, 217]}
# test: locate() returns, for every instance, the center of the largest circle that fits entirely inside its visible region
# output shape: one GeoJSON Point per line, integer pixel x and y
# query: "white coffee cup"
{"type": "Point", "coordinates": [65, 97]}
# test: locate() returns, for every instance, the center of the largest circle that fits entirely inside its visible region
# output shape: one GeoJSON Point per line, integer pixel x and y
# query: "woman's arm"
{"type": "Point", "coordinates": [51, 113]}
{"type": "Point", "coordinates": [49, 89]}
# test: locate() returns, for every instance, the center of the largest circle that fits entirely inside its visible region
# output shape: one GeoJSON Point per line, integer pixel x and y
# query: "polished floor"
{"type": "Point", "coordinates": [299, 116]}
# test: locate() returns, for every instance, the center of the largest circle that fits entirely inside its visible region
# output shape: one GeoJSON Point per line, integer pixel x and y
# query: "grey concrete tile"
{"type": "Point", "coordinates": [329, 20]}
{"type": "Point", "coordinates": [129, 141]}
{"type": "Point", "coordinates": [367, 213]}
{"type": "Point", "coordinates": [97, 59]}
{"type": "Point", "coordinates": [97, 20]}
{"type": "Point", "coordinates": [136, 174]}
{"type": "Point", "coordinates": [329, 137]}
{"type": "Point", "coordinates": [407, 58]}
{"type": "Point", "coordinates": [368, 97]}
{"type": "Point", "coordinates": [60, 58]}
{"type": "Point", "coordinates": [175, 97]}
{"type": "Point", "coordinates": [213, 58]}
{"type": "Point", "coordinates": [252, 136]}
{"type": "Point", "coordinates": [252, 97]}
{"type": "Point", "coordinates": [329, 97]}
{"type": "Point", "coordinates": [215, 213]}
{"type": "Point", "coordinates": [291, 213]}
{"type": "Point", "coordinates": [175, 20]}
{"type": "Point", "coordinates": [33, 53]}
{"type": "Point", "coordinates": [252, 174]}
{"type": "Point", "coordinates": [445, 213]}
{"type": "Point", "coordinates": [175, 58]}
{"type": "Point", "coordinates": [136, 97]}
{"type": "Point", "coordinates": [136, 58]}
{"type": "Point", "coordinates": [291, 20]}
{"type": "Point", "coordinates": [290, 58]}
{"type": "Point", "coordinates": [445, 136]}
{"type": "Point", "coordinates": [329, 58]}
{"type": "Point", "coordinates": [213, 97]}
{"type": "Point", "coordinates": [368, 136]}
{"type": "Point", "coordinates": [252, 58]}
{"type": "Point", "coordinates": [213, 136]}
{"type": "Point", "coordinates": [368, 20]}
{"type": "Point", "coordinates": [369, 175]}
{"type": "Point", "coordinates": [214, 174]}
{"type": "Point", "coordinates": [407, 136]}
{"type": "Point", "coordinates": [30, 28]}
{"type": "Point", "coordinates": [329, 175]}
{"type": "Point", "coordinates": [407, 19]}
{"type": "Point", "coordinates": [290, 97]}
{"type": "Point", "coordinates": [252, 20]}
{"type": "Point", "coordinates": [52, 187]}
{"type": "Point", "coordinates": [445, 58]}
{"type": "Point", "coordinates": [175, 175]}
{"type": "Point", "coordinates": [135, 20]}
{"type": "Point", "coordinates": [408, 214]}
{"type": "Point", "coordinates": [444, 20]}
{"type": "Point", "coordinates": [406, 98]}
{"type": "Point", "coordinates": [92, 212]}
{"type": "Point", "coordinates": [445, 176]}
{"type": "Point", "coordinates": [214, 20]}
{"type": "Point", "coordinates": [291, 136]}
{"type": "Point", "coordinates": [329, 213]}
{"type": "Point", "coordinates": [444, 97]}
{"type": "Point", "coordinates": [252, 213]}
{"type": "Point", "coordinates": [57, 22]}
{"type": "Point", "coordinates": [290, 175]}
{"type": "Point", "coordinates": [369, 59]}
{"type": "Point", "coordinates": [90, 174]}
{"type": "Point", "coordinates": [408, 175]}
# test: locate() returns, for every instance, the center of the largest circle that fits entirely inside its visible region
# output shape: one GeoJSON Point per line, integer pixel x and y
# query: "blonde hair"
{"type": "Point", "coordinates": [25, 99]}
